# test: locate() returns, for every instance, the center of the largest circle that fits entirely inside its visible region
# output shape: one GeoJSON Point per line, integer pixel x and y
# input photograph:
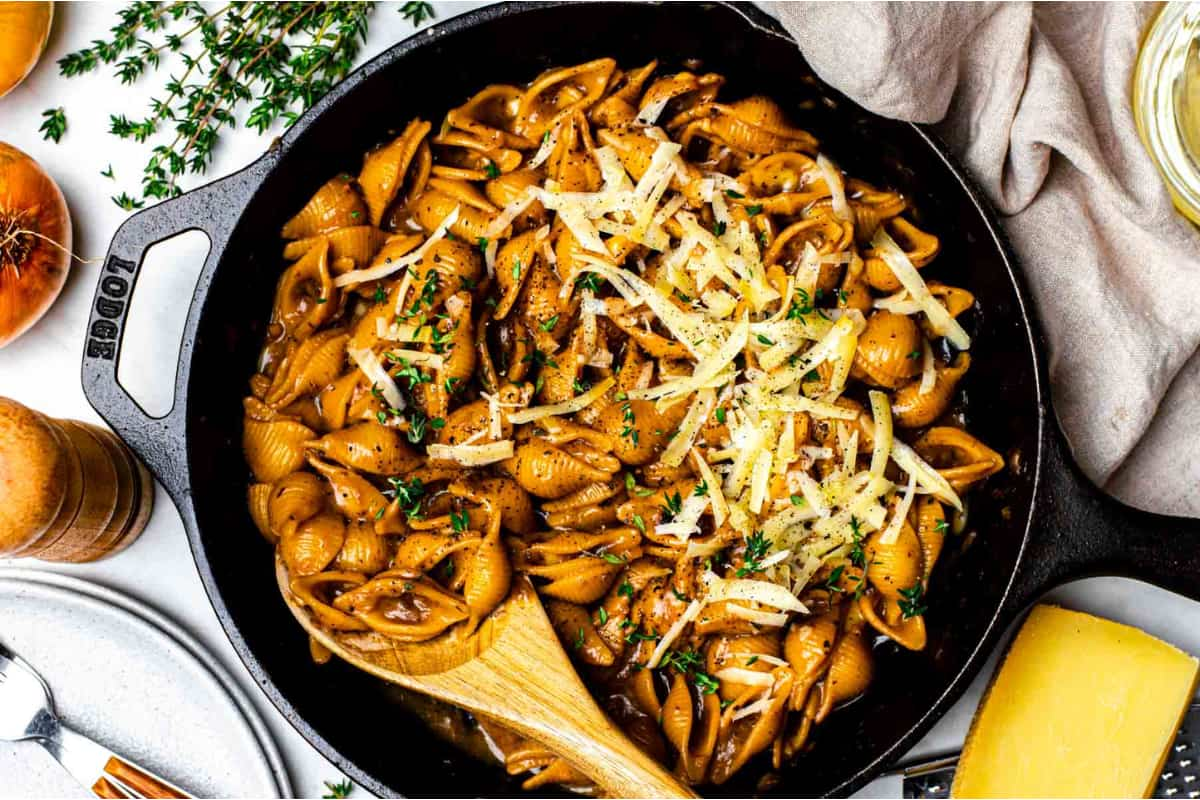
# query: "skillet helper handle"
{"type": "Point", "coordinates": [158, 441]}
{"type": "Point", "coordinates": [1084, 532]}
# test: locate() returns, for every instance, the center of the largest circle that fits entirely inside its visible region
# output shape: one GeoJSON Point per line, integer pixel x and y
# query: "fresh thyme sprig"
{"type": "Point", "coordinates": [54, 125]}
{"type": "Point", "coordinates": [257, 63]}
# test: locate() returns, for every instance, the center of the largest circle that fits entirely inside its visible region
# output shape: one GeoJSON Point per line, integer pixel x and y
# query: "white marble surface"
{"type": "Point", "coordinates": [42, 368]}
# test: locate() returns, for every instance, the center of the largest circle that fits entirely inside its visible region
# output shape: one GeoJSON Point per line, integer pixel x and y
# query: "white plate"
{"type": "Point", "coordinates": [132, 679]}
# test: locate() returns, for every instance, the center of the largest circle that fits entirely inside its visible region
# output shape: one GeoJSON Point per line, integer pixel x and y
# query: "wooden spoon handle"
{"type": "Point", "coordinates": [553, 707]}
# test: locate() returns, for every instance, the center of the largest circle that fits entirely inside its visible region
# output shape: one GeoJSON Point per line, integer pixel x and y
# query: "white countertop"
{"type": "Point", "coordinates": [42, 368]}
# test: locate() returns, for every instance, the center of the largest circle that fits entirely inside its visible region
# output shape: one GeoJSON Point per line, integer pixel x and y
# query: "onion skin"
{"type": "Point", "coordinates": [24, 29]}
{"type": "Point", "coordinates": [32, 270]}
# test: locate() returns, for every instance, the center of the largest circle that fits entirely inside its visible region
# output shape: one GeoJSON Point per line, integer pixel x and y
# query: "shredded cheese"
{"type": "Point", "coordinates": [356, 276]}
{"type": "Point", "coordinates": [664, 644]}
{"type": "Point", "coordinates": [577, 403]}
{"type": "Point", "coordinates": [937, 314]}
{"type": "Point", "coordinates": [370, 366]}
{"type": "Point", "coordinates": [472, 455]}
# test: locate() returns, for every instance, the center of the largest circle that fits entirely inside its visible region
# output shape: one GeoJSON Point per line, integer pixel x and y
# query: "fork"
{"type": "Point", "coordinates": [27, 713]}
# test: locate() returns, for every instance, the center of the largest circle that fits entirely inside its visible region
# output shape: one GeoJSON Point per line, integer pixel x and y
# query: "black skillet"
{"type": "Point", "coordinates": [1035, 525]}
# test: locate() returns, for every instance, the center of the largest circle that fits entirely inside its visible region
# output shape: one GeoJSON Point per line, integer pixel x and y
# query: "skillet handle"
{"type": "Point", "coordinates": [159, 441]}
{"type": "Point", "coordinates": [1082, 532]}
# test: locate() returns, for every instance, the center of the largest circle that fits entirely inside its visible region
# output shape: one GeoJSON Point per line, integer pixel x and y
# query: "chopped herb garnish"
{"type": "Point", "coordinates": [682, 660]}
{"type": "Point", "coordinates": [492, 170]}
{"type": "Point", "coordinates": [579, 639]}
{"type": "Point", "coordinates": [797, 500]}
{"type": "Point", "coordinates": [612, 558]}
{"type": "Point", "coordinates": [764, 340]}
{"type": "Point", "coordinates": [706, 683]}
{"type": "Point", "coordinates": [549, 324]}
{"type": "Point", "coordinates": [756, 548]}
{"type": "Point", "coordinates": [751, 660]}
{"type": "Point", "coordinates": [482, 241]}
{"type": "Point", "coordinates": [128, 203]}
{"type": "Point", "coordinates": [54, 125]}
{"type": "Point", "coordinates": [460, 521]}
{"type": "Point", "coordinates": [450, 385]}
{"type": "Point", "coordinates": [625, 589]}
{"type": "Point", "coordinates": [754, 210]}
{"type": "Point", "coordinates": [910, 602]}
{"type": "Point", "coordinates": [718, 229]}
{"type": "Point", "coordinates": [942, 526]}
{"type": "Point", "coordinates": [721, 415]}
{"type": "Point", "coordinates": [516, 269]}
{"type": "Point", "coordinates": [588, 281]}
{"type": "Point", "coordinates": [680, 596]}
{"type": "Point", "coordinates": [832, 584]}
{"type": "Point", "coordinates": [701, 489]}
{"type": "Point", "coordinates": [674, 504]}
{"type": "Point", "coordinates": [108, 173]}
{"type": "Point", "coordinates": [639, 522]}
{"type": "Point", "coordinates": [380, 295]}
{"type": "Point", "coordinates": [337, 791]}
{"type": "Point", "coordinates": [580, 386]}
{"type": "Point", "coordinates": [417, 12]}
{"type": "Point", "coordinates": [812, 375]}
{"type": "Point", "coordinates": [914, 355]}
{"type": "Point", "coordinates": [408, 494]}
{"type": "Point", "coordinates": [601, 616]}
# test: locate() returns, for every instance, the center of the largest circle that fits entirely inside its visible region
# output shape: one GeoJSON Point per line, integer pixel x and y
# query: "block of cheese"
{"type": "Point", "coordinates": [1080, 707]}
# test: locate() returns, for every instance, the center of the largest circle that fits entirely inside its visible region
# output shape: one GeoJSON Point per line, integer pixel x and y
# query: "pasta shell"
{"type": "Point", "coordinates": [369, 447]}
{"type": "Point", "coordinates": [354, 495]}
{"type": "Point", "coordinates": [510, 500]}
{"type": "Point", "coordinates": [312, 546]}
{"type": "Point", "coordinates": [919, 246]}
{"type": "Point", "coordinates": [432, 206]}
{"type": "Point", "coordinates": [850, 671]}
{"type": "Point", "coordinates": [488, 576]}
{"type": "Point", "coordinates": [514, 262]}
{"type": "Point", "coordinates": [256, 498]}
{"type": "Point", "coordinates": [336, 204]}
{"type": "Point", "coordinates": [885, 355]}
{"type": "Point", "coordinates": [807, 647]}
{"type": "Point", "coordinates": [423, 550]}
{"type": "Point", "coordinates": [384, 170]}
{"type": "Point", "coordinates": [931, 530]}
{"type": "Point", "coordinates": [581, 581]}
{"type": "Point", "coordinates": [639, 431]}
{"type": "Point", "coordinates": [294, 499]}
{"type": "Point", "coordinates": [544, 470]}
{"type": "Point", "coordinates": [578, 634]}
{"type": "Point", "coordinates": [961, 459]}
{"type": "Point", "coordinates": [363, 550]}
{"type": "Point", "coordinates": [274, 449]}
{"type": "Point", "coordinates": [559, 92]}
{"type": "Point", "coordinates": [510, 187]}
{"type": "Point", "coordinates": [315, 591]}
{"type": "Point", "coordinates": [491, 116]}
{"type": "Point", "coordinates": [453, 265]}
{"type": "Point", "coordinates": [691, 725]}
{"type": "Point", "coordinates": [755, 125]}
{"type": "Point", "coordinates": [784, 183]}
{"type": "Point", "coordinates": [315, 362]}
{"type": "Point", "coordinates": [871, 207]}
{"type": "Point", "coordinates": [359, 244]}
{"type": "Point", "coordinates": [908, 632]}
{"type": "Point", "coordinates": [306, 298]}
{"type": "Point", "coordinates": [912, 409]}
{"type": "Point", "coordinates": [619, 105]}
{"type": "Point", "coordinates": [740, 740]}
{"type": "Point", "coordinates": [682, 91]}
{"type": "Point", "coordinates": [897, 566]}
{"type": "Point", "coordinates": [404, 606]}
{"type": "Point", "coordinates": [740, 652]}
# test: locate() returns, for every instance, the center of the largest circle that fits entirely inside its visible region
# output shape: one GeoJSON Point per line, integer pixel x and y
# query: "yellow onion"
{"type": "Point", "coordinates": [35, 236]}
{"type": "Point", "coordinates": [24, 29]}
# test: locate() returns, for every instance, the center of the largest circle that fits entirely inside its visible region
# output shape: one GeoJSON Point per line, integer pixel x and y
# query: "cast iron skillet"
{"type": "Point", "coordinates": [1034, 525]}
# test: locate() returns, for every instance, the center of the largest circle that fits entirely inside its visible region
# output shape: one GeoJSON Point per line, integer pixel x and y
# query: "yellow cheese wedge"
{"type": "Point", "coordinates": [1081, 707]}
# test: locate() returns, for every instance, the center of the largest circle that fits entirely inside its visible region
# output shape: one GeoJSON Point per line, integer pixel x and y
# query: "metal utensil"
{"type": "Point", "coordinates": [930, 777]}
{"type": "Point", "coordinates": [27, 713]}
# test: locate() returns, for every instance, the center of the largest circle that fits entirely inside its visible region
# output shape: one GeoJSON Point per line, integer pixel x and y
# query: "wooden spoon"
{"type": "Point", "coordinates": [513, 670]}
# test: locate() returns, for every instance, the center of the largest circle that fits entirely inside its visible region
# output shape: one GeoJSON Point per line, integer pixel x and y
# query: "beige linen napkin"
{"type": "Point", "coordinates": [1035, 100]}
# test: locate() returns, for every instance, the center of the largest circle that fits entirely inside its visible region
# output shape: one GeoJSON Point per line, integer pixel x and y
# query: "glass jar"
{"type": "Point", "coordinates": [1166, 101]}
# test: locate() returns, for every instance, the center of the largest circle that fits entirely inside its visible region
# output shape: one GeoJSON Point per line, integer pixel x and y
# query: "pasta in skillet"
{"type": "Point", "coordinates": [647, 346]}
